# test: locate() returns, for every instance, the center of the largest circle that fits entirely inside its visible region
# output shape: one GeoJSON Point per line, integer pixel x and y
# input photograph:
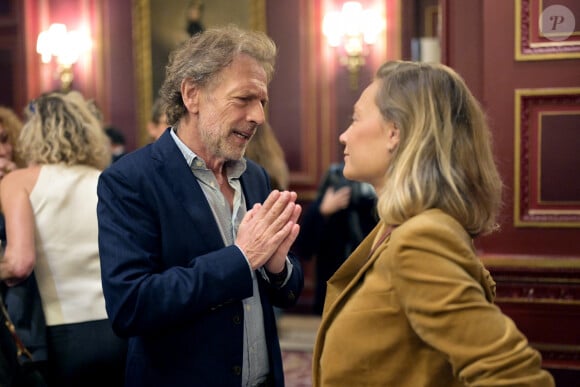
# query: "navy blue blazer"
{"type": "Point", "coordinates": [171, 285]}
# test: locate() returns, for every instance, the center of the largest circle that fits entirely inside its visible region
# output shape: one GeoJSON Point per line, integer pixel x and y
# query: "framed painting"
{"type": "Point", "coordinates": [547, 155]}
{"type": "Point", "coordinates": [547, 29]}
{"type": "Point", "coordinates": [159, 26]}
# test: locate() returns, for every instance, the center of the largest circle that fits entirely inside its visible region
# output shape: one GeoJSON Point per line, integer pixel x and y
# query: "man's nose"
{"type": "Point", "coordinates": [256, 113]}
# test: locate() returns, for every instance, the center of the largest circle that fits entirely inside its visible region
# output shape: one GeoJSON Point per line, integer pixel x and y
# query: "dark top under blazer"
{"type": "Point", "coordinates": [170, 284]}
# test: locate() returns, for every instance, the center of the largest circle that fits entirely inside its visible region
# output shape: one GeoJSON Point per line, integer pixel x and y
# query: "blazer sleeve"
{"type": "Point", "coordinates": [151, 280]}
{"type": "Point", "coordinates": [434, 274]}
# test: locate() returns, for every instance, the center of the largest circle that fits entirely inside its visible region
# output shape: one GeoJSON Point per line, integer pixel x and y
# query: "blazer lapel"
{"type": "Point", "coordinates": [346, 272]}
{"type": "Point", "coordinates": [172, 168]}
{"type": "Point", "coordinates": [342, 283]}
{"type": "Point", "coordinates": [347, 277]}
{"type": "Point", "coordinates": [254, 184]}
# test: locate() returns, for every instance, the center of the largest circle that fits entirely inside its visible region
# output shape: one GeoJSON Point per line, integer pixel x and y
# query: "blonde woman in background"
{"type": "Point", "coordinates": [10, 126]}
{"type": "Point", "coordinates": [51, 227]}
{"type": "Point", "coordinates": [21, 303]}
{"type": "Point", "coordinates": [265, 150]}
{"type": "Point", "coordinates": [413, 304]}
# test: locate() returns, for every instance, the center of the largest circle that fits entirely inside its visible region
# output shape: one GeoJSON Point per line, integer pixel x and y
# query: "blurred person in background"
{"type": "Point", "coordinates": [117, 142]}
{"type": "Point", "coordinates": [10, 126]}
{"type": "Point", "coordinates": [194, 14]}
{"type": "Point", "coordinates": [333, 225]}
{"type": "Point", "coordinates": [51, 228]}
{"type": "Point", "coordinates": [158, 123]}
{"type": "Point", "coordinates": [22, 327]}
{"type": "Point", "coordinates": [267, 151]}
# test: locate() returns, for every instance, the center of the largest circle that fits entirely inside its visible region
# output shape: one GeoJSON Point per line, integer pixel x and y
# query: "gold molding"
{"type": "Point", "coordinates": [258, 15]}
{"type": "Point", "coordinates": [311, 106]}
{"type": "Point", "coordinates": [141, 14]}
{"type": "Point", "coordinates": [541, 301]}
{"type": "Point", "coordinates": [556, 347]}
{"type": "Point", "coordinates": [527, 261]}
{"type": "Point", "coordinates": [143, 67]}
{"type": "Point", "coordinates": [428, 13]}
{"type": "Point", "coordinates": [520, 56]}
{"type": "Point", "coordinates": [518, 95]}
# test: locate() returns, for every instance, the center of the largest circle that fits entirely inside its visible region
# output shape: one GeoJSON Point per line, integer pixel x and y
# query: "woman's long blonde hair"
{"type": "Point", "coordinates": [64, 128]}
{"type": "Point", "coordinates": [444, 158]}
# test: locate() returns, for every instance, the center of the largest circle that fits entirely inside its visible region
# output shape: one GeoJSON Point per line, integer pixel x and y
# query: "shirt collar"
{"type": "Point", "coordinates": [234, 168]}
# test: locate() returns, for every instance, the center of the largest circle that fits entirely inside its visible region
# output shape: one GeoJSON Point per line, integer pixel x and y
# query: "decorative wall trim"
{"type": "Point", "coordinates": [143, 68]}
{"type": "Point", "coordinates": [537, 280]}
{"type": "Point", "coordinates": [532, 262]}
{"type": "Point", "coordinates": [143, 56]}
{"type": "Point", "coordinates": [307, 152]}
{"type": "Point", "coordinates": [558, 353]}
{"type": "Point", "coordinates": [531, 45]}
{"type": "Point", "coordinates": [537, 292]}
{"type": "Point", "coordinates": [532, 106]}
{"type": "Point", "coordinates": [258, 15]}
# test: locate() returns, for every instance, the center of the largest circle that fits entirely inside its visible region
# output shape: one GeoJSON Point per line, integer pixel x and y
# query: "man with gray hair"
{"type": "Point", "coordinates": [194, 245]}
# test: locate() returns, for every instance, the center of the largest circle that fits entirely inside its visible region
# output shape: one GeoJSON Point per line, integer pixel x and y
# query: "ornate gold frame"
{"type": "Point", "coordinates": [563, 218]}
{"type": "Point", "coordinates": [528, 47]}
{"type": "Point", "coordinates": [142, 56]}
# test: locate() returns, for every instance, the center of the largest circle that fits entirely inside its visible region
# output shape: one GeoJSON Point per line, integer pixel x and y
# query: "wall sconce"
{"type": "Point", "coordinates": [66, 47]}
{"type": "Point", "coordinates": [353, 29]}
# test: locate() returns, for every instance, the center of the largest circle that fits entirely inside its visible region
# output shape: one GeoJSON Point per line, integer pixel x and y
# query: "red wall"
{"type": "Point", "coordinates": [106, 74]}
{"type": "Point", "coordinates": [537, 267]}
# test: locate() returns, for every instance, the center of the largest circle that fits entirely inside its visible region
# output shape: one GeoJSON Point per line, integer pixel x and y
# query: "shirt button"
{"type": "Point", "coordinates": [237, 319]}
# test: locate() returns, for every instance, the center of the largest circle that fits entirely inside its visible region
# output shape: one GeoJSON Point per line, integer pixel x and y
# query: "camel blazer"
{"type": "Point", "coordinates": [418, 312]}
{"type": "Point", "coordinates": [170, 284]}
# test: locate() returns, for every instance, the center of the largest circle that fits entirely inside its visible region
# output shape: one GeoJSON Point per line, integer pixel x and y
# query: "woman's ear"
{"type": "Point", "coordinates": [190, 95]}
{"type": "Point", "coordinates": [393, 136]}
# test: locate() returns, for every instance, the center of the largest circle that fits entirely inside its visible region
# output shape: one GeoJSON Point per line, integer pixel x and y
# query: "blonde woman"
{"type": "Point", "coordinates": [51, 226]}
{"type": "Point", "coordinates": [267, 151]}
{"type": "Point", "coordinates": [413, 304]}
{"type": "Point", "coordinates": [10, 126]}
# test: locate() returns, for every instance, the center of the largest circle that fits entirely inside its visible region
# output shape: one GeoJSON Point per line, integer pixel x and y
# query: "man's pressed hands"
{"type": "Point", "coordinates": [268, 231]}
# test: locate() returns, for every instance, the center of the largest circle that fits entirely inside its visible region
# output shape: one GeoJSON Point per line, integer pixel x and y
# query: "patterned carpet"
{"type": "Point", "coordinates": [297, 335]}
{"type": "Point", "coordinates": [297, 368]}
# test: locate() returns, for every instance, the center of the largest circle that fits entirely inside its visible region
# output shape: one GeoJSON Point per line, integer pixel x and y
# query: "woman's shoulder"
{"type": "Point", "coordinates": [16, 185]}
{"type": "Point", "coordinates": [21, 177]}
{"type": "Point", "coordinates": [433, 223]}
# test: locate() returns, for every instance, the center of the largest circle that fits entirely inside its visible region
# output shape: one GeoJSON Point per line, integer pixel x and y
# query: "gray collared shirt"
{"type": "Point", "coordinates": [255, 368]}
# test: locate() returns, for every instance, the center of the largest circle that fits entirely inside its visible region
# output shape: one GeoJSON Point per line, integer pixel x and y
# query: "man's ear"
{"type": "Point", "coordinates": [190, 95]}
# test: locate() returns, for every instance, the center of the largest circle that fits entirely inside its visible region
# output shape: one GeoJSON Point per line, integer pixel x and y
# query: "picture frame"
{"type": "Point", "coordinates": [532, 44]}
{"type": "Point", "coordinates": [155, 39]}
{"type": "Point", "coordinates": [546, 141]}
